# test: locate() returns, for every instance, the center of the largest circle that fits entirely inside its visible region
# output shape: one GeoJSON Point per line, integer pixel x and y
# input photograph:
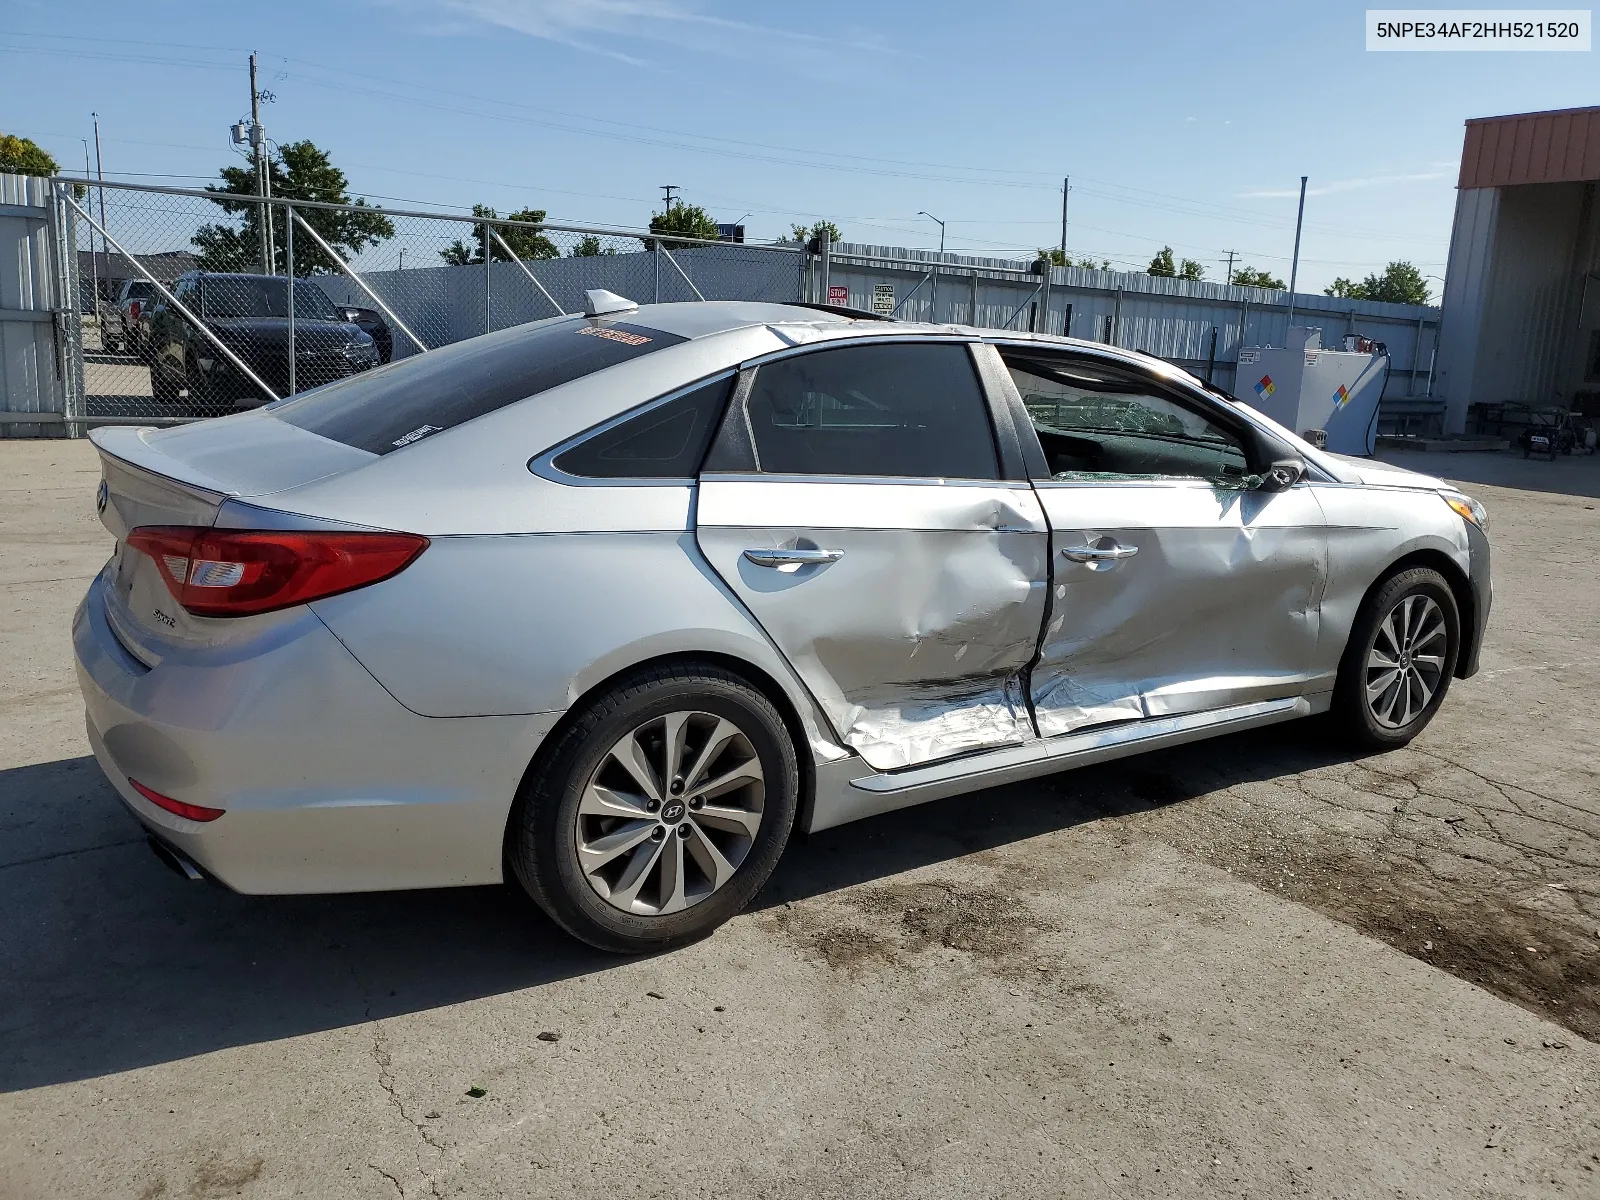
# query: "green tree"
{"type": "Point", "coordinates": [1162, 265]}
{"type": "Point", "coordinates": [1189, 269]}
{"type": "Point", "coordinates": [23, 156]}
{"type": "Point", "coordinates": [298, 171]}
{"type": "Point", "coordinates": [686, 220]}
{"type": "Point", "coordinates": [804, 233]}
{"type": "Point", "coordinates": [1250, 277]}
{"type": "Point", "coordinates": [590, 247]}
{"type": "Point", "coordinates": [1400, 283]}
{"type": "Point", "coordinates": [1057, 258]}
{"type": "Point", "coordinates": [524, 243]}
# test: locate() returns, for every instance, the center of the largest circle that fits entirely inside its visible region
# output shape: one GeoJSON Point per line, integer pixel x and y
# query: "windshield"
{"type": "Point", "coordinates": [260, 296]}
{"type": "Point", "coordinates": [140, 290]}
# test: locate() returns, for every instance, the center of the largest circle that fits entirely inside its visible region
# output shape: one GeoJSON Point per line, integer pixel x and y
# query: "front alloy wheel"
{"type": "Point", "coordinates": [1406, 663]}
{"type": "Point", "coordinates": [1399, 660]}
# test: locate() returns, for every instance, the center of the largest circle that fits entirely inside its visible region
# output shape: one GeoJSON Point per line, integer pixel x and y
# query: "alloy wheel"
{"type": "Point", "coordinates": [670, 813]}
{"type": "Point", "coordinates": [1405, 663]}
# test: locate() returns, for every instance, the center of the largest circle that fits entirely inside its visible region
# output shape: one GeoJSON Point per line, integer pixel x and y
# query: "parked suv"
{"type": "Point", "coordinates": [127, 321]}
{"type": "Point", "coordinates": [250, 315]}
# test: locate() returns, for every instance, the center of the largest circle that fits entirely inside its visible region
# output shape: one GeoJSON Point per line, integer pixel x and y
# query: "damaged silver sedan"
{"type": "Point", "coordinates": [614, 603]}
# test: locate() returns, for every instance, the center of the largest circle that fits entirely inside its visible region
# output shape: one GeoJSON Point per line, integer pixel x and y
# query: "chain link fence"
{"type": "Point", "coordinates": [185, 308]}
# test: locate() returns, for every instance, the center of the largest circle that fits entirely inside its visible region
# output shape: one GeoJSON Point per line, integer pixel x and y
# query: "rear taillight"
{"type": "Point", "coordinates": [133, 311]}
{"type": "Point", "coordinates": [193, 812]}
{"type": "Point", "coordinates": [233, 573]}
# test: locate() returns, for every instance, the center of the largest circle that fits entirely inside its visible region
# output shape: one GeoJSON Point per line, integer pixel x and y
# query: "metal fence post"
{"type": "Point", "coordinates": [974, 319]}
{"type": "Point", "coordinates": [488, 287]}
{"type": "Point", "coordinates": [655, 256]}
{"type": "Point", "coordinates": [288, 271]}
{"type": "Point", "coordinates": [827, 254]}
{"type": "Point", "coordinates": [69, 326]}
{"type": "Point", "coordinates": [1116, 317]}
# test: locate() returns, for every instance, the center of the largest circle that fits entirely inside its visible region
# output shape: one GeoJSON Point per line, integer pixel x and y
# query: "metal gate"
{"type": "Point", "coordinates": [184, 308]}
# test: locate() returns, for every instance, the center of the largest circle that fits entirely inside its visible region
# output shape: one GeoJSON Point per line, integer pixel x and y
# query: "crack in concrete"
{"type": "Point", "coordinates": [383, 1060]}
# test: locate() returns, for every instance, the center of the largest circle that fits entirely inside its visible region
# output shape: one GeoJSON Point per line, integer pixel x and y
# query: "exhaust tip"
{"type": "Point", "coordinates": [171, 858]}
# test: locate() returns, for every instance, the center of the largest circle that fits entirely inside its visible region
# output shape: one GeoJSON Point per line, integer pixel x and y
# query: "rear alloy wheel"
{"type": "Point", "coordinates": [659, 812]}
{"type": "Point", "coordinates": [1400, 659]}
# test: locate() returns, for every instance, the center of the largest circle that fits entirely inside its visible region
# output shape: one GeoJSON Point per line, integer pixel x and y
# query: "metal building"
{"type": "Point", "coordinates": [1521, 320]}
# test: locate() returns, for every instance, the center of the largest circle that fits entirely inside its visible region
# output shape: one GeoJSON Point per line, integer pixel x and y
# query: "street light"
{"type": "Point", "coordinates": [940, 223]}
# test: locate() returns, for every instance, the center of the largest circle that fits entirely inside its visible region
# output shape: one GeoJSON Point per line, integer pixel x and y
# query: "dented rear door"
{"type": "Point", "coordinates": [854, 503]}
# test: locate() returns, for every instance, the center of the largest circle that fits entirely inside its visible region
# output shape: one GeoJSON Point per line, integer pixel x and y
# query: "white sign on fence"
{"type": "Point", "coordinates": [883, 298]}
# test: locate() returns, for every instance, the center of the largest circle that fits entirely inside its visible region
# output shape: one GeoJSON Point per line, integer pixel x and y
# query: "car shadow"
{"type": "Point", "coordinates": [109, 961]}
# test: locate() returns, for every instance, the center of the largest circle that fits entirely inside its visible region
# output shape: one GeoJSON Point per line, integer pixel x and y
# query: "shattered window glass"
{"type": "Point", "coordinates": [1095, 423]}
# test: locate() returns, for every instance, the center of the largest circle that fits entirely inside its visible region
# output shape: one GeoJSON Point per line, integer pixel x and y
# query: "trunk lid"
{"type": "Point", "coordinates": [183, 476]}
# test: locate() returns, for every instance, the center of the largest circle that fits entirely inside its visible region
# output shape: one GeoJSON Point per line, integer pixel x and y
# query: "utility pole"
{"type": "Point", "coordinates": [1066, 187]}
{"type": "Point", "coordinates": [1294, 265]}
{"type": "Point", "coordinates": [669, 188]}
{"type": "Point", "coordinates": [258, 139]}
{"type": "Point", "coordinates": [1231, 254]}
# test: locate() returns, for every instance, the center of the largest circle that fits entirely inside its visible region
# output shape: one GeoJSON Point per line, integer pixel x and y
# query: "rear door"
{"type": "Point", "coordinates": [1177, 585]}
{"type": "Point", "coordinates": [855, 501]}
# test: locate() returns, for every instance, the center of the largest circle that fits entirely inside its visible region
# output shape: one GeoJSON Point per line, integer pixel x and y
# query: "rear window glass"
{"type": "Point", "coordinates": [393, 406]}
{"type": "Point", "coordinates": [666, 441]}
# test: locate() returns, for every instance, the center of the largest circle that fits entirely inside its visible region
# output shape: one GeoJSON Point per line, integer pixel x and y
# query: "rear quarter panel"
{"type": "Point", "coordinates": [526, 623]}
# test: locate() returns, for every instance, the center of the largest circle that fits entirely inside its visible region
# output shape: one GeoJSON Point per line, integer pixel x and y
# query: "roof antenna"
{"type": "Point", "coordinates": [597, 302]}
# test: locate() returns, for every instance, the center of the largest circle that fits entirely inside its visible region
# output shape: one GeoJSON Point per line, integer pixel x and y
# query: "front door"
{"type": "Point", "coordinates": [1176, 585]}
{"type": "Point", "coordinates": [855, 503]}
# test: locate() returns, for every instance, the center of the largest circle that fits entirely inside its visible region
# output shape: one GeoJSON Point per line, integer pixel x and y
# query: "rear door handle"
{"type": "Point", "coordinates": [795, 557]}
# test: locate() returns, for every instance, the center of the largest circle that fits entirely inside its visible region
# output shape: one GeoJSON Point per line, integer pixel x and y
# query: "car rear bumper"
{"type": "Point", "coordinates": [328, 783]}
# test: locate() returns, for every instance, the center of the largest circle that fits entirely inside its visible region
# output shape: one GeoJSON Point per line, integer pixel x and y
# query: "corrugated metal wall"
{"type": "Point", "coordinates": [30, 364]}
{"type": "Point", "coordinates": [1170, 318]}
{"type": "Point", "coordinates": [1520, 339]}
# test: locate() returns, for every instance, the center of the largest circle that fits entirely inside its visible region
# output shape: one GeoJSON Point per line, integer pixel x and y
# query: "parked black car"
{"type": "Point", "coordinates": [249, 314]}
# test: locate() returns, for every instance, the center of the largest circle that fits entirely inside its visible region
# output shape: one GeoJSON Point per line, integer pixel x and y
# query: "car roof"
{"type": "Point", "coordinates": [803, 323]}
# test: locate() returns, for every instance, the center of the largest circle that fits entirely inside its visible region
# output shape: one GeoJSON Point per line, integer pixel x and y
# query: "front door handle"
{"type": "Point", "coordinates": [1085, 554]}
{"type": "Point", "coordinates": [792, 557]}
{"type": "Point", "coordinates": [1105, 551]}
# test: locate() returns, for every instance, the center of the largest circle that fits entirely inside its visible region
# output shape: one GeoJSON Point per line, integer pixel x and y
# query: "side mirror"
{"type": "Point", "coordinates": [1283, 474]}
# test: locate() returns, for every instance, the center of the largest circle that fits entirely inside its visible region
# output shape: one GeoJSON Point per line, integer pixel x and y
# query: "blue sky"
{"type": "Point", "coordinates": [1180, 124]}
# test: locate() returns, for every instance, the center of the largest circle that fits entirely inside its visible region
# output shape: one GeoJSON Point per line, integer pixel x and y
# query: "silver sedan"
{"type": "Point", "coordinates": [615, 602]}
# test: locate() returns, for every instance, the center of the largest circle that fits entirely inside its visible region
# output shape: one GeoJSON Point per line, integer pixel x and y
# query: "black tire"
{"type": "Point", "coordinates": [1352, 712]}
{"type": "Point", "coordinates": [541, 842]}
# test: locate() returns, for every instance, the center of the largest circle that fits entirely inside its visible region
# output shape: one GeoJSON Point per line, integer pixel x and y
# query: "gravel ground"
{"type": "Point", "coordinates": [1255, 967]}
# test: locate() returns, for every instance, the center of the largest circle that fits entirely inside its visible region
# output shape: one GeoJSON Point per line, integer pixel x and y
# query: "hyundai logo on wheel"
{"type": "Point", "coordinates": [673, 812]}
